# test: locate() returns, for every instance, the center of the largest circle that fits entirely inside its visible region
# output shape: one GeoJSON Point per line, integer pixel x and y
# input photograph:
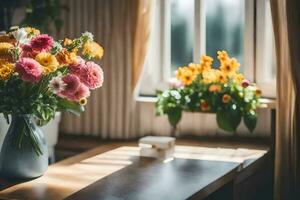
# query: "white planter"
{"type": "Point", "coordinates": [50, 132]}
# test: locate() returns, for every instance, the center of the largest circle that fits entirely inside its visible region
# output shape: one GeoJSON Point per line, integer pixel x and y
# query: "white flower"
{"type": "Point", "coordinates": [56, 84]}
{"type": "Point", "coordinates": [88, 35]}
{"type": "Point", "coordinates": [21, 36]}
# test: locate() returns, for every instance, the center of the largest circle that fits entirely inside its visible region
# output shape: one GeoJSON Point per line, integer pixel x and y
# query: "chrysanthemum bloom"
{"type": "Point", "coordinates": [57, 85]}
{"type": "Point", "coordinates": [92, 50]}
{"type": "Point", "coordinates": [187, 76]}
{"type": "Point", "coordinates": [76, 66]}
{"type": "Point", "coordinates": [222, 56]}
{"type": "Point", "coordinates": [6, 69]}
{"type": "Point", "coordinates": [230, 67]}
{"type": "Point", "coordinates": [196, 68]}
{"type": "Point", "coordinates": [206, 60]}
{"type": "Point", "coordinates": [4, 51]}
{"type": "Point", "coordinates": [65, 57]}
{"type": "Point", "coordinates": [82, 92]}
{"type": "Point", "coordinates": [92, 75]}
{"type": "Point", "coordinates": [48, 61]}
{"type": "Point", "coordinates": [226, 98]}
{"type": "Point", "coordinates": [8, 39]}
{"type": "Point", "coordinates": [221, 77]}
{"type": "Point", "coordinates": [27, 51]}
{"type": "Point", "coordinates": [72, 84]}
{"type": "Point", "coordinates": [29, 70]}
{"type": "Point", "coordinates": [32, 31]}
{"type": "Point", "coordinates": [41, 43]}
{"type": "Point", "coordinates": [215, 88]}
{"type": "Point", "coordinates": [209, 76]}
{"type": "Point", "coordinates": [245, 83]}
{"type": "Point", "coordinates": [238, 78]}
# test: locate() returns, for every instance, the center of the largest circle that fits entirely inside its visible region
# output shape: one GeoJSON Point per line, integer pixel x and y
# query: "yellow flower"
{"type": "Point", "coordinates": [258, 92]}
{"type": "Point", "coordinates": [206, 60]}
{"type": "Point", "coordinates": [67, 41]}
{"type": "Point", "coordinates": [83, 101]}
{"type": "Point", "coordinates": [185, 75]}
{"type": "Point", "coordinates": [65, 57]}
{"type": "Point", "coordinates": [238, 78]}
{"type": "Point", "coordinates": [226, 98]}
{"type": "Point", "coordinates": [195, 68]}
{"type": "Point", "coordinates": [6, 69]}
{"type": "Point", "coordinates": [209, 76]}
{"type": "Point", "coordinates": [48, 62]}
{"type": "Point", "coordinates": [5, 51]}
{"type": "Point", "coordinates": [221, 76]}
{"type": "Point", "coordinates": [215, 88]}
{"type": "Point", "coordinates": [32, 31]}
{"type": "Point", "coordinates": [222, 56]}
{"type": "Point", "coordinates": [92, 49]}
{"type": "Point", "coordinates": [230, 67]}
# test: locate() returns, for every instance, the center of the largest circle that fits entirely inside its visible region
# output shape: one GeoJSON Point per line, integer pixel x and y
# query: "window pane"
{"type": "Point", "coordinates": [182, 32]}
{"type": "Point", "coordinates": [225, 28]}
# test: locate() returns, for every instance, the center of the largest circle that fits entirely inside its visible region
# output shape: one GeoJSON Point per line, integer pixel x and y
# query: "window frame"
{"type": "Point", "coordinates": [253, 32]}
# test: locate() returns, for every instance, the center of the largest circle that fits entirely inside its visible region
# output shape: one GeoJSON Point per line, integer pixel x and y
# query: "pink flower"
{"type": "Point", "coordinates": [92, 75]}
{"type": "Point", "coordinates": [27, 51]}
{"type": "Point", "coordinates": [175, 83]}
{"type": "Point", "coordinates": [29, 70]}
{"type": "Point", "coordinates": [76, 67]}
{"type": "Point", "coordinates": [72, 84]}
{"type": "Point", "coordinates": [82, 92]}
{"type": "Point", "coordinates": [41, 43]}
{"type": "Point", "coordinates": [245, 83]}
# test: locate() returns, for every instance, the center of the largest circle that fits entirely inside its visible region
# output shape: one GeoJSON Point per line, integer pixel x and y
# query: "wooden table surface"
{"type": "Point", "coordinates": [117, 171]}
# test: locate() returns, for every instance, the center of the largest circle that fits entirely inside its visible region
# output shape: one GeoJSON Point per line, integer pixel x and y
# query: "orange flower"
{"type": "Point", "coordinates": [7, 39]}
{"type": "Point", "coordinates": [226, 98]}
{"type": "Point", "coordinates": [258, 92]}
{"type": "Point", "coordinates": [215, 88]}
{"type": "Point", "coordinates": [204, 106]}
{"type": "Point", "coordinates": [65, 57]}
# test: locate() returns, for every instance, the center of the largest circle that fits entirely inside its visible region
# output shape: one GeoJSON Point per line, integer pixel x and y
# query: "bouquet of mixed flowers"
{"type": "Point", "coordinates": [202, 88]}
{"type": "Point", "coordinates": [40, 76]}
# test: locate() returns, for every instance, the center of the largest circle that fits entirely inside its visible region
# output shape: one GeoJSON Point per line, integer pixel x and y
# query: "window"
{"type": "Point", "coordinates": [184, 30]}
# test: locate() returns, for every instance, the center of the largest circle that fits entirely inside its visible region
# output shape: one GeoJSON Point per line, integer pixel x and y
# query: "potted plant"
{"type": "Point", "coordinates": [39, 77]}
{"type": "Point", "coordinates": [222, 91]}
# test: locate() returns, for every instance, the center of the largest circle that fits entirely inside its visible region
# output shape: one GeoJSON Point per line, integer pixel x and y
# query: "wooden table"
{"type": "Point", "coordinates": [102, 173]}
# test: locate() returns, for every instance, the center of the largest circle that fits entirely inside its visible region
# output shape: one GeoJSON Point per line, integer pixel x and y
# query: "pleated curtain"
{"type": "Point", "coordinates": [116, 24]}
{"type": "Point", "coordinates": [286, 19]}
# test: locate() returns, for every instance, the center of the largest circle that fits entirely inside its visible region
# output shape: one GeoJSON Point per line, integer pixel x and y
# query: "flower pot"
{"type": "Point", "coordinates": [20, 157]}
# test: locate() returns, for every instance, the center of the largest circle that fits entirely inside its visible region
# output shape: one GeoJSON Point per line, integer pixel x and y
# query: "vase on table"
{"type": "Point", "coordinates": [24, 153]}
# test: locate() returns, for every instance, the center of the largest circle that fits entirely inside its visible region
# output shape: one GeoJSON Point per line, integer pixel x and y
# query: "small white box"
{"type": "Point", "coordinates": [157, 147]}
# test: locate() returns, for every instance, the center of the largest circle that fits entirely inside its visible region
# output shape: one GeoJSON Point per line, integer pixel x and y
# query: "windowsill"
{"type": "Point", "coordinates": [266, 103]}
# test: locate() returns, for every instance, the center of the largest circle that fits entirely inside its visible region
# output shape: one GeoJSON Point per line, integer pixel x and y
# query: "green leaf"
{"type": "Point", "coordinates": [71, 107]}
{"type": "Point", "coordinates": [174, 116]}
{"type": "Point", "coordinates": [228, 119]}
{"type": "Point", "coordinates": [250, 120]}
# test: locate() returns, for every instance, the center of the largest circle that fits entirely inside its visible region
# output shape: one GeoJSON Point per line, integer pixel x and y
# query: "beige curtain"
{"type": "Point", "coordinates": [287, 31]}
{"type": "Point", "coordinates": [141, 39]}
{"type": "Point", "coordinates": [118, 25]}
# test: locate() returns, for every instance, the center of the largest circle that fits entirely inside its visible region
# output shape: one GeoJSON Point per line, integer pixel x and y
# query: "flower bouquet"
{"type": "Point", "coordinates": [39, 77]}
{"type": "Point", "coordinates": [202, 88]}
